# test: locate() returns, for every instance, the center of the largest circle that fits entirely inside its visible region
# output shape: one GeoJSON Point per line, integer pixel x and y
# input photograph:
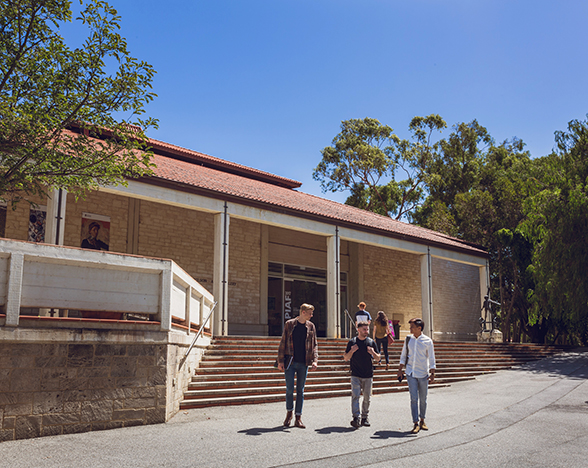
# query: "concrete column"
{"type": "Point", "coordinates": [333, 287]}
{"type": "Point", "coordinates": [133, 226]}
{"type": "Point", "coordinates": [427, 294]}
{"type": "Point", "coordinates": [484, 284]}
{"type": "Point", "coordinates": [188, 307]}
{"type": "Point", "coordinates": [221, 273]}
{"type": "Point", "coordinates": [55, 228]}
{"type": "Point", "coordinates": [14, 292]}
{"type": "Point", "coordinates": [165, 298]}
{"type": "Point", "coordinates": [264, 276]}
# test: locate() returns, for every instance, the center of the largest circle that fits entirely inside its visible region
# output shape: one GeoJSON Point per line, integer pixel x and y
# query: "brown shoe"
{"type": "Point", "coordinates": [415, 429]}
{"type": "Point", "coordinates": [288, 419]}
{"type": "Point", "coordinates": [299, 423]}
{"type": "Point", "coordinates": [423, 426]}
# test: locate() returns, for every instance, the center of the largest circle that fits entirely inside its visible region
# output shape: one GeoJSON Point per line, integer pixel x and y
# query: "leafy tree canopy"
{"type": "Point", "coordinates": [69, 118]}
{"type": "Point", "coordinates": [366, 157]}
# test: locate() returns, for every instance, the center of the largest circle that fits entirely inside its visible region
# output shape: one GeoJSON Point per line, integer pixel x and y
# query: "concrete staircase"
{"type": "Point", "coordinates": [238, 370]}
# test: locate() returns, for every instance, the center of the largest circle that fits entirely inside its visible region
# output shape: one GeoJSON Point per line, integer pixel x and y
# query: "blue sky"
{"type": "Point", "coordinates": [266, 83]}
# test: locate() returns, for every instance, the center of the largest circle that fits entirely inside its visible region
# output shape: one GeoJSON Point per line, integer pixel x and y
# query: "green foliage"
{"type": "Point", "coordinates": [366, 153]}
{"type": "Point", "coordinates": [558, 225]}
{"type": "Point", "coordinates": [530, 214]}
{"type": "Point", "coordinates": [359, 157]}
{"type": "Point", "coordinates": [61, 108]}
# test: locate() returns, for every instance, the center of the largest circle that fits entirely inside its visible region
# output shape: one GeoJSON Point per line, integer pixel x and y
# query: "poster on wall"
{"type": "Point", "coordinates": [95, 231]}
{"type": "Point", "coordinates": [3, 211]}
{"type": "Point", "coordinates": [37, 223]}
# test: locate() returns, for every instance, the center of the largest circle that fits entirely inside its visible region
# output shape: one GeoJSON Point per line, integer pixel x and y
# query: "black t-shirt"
{"type": "Point", "coordinates": [299, 342]}
{"type": "Point", "coordinates": [361, 361]}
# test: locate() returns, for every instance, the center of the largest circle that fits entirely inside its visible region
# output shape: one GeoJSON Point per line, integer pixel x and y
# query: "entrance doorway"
{"type": "Point", "coordinates": [291, 286]}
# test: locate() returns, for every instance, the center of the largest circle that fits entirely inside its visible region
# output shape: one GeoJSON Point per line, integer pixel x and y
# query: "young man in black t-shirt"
{"type": "Point", "coordinates": [360, 351]}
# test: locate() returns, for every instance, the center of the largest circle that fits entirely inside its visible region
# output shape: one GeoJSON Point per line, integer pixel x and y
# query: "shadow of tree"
{"type": "Point", "coordinates": [572, 364]}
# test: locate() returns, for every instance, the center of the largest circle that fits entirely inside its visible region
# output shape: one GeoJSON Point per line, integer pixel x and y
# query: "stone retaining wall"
{"type": "Point", "coordinates": [61, 388]}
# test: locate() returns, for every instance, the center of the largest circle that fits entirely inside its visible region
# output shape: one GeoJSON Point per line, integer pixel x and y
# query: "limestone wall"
{"type": "Point", "coordinates": [244, 278]}
{"type": "Point", "coordinates": [185, 236]}
{"type": "Point", "coordinates": [100, 203]}
{"type": "Point", "coordinates": [392, 283]}
{"type": "Point", "coordinates": [66, 387]}
{"type": "Point", "coordinates": [456, 300]}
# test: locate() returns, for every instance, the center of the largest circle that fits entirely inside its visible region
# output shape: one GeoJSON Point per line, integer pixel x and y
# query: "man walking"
{"type": "Point", "coordinates": [360, 351]}
{"type": "Point", "coordinates": [362, 315]}
{"type": "Point", "coordinates": [298, 350]}
{"type": "Point", "coordinates": [418, 355]}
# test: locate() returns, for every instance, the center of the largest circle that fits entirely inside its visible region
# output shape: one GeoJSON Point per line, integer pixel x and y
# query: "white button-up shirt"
{"type": "Point", "coordinates": [421, 356]}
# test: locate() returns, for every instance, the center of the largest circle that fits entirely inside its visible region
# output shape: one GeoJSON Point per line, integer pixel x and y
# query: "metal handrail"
{"type": "Point", "coordinates": [202, 325]}
{"type": "Point", "coordinates": [351, 319]}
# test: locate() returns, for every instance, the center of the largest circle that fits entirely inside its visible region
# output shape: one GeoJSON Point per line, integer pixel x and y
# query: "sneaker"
{"type": "Point", "coordinates": [365, 422]}
{"type": "Point", "coordinates": [423, 426]}
{"type": "Point", "coordinates": [415, 429]}
{"type": "Point", "coordinates": [355, 422]}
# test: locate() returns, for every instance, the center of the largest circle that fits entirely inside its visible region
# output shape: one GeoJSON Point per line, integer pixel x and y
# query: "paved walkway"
{"type": "Point", "coordinates": [531, 416]}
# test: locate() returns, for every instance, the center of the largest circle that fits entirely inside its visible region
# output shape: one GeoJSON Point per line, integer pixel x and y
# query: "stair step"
{"type": "Point", "coordinates": [239, 370]}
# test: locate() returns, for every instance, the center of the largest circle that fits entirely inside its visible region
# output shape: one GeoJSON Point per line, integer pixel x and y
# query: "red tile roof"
{"type": "Point", "coordinates": [260, 192]}
{"type": "Point", "coordinates": [177, 152]}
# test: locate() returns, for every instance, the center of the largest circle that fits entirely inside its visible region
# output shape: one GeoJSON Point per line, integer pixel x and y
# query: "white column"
{"type": "Point", "coordinates": [221, 273]}
{"type": "Point", "coordinates": [165, 298]}
{"type": "Point", "coordinates": [188, 307]}
{"type": "Point", "coordinates": [15, 273]}
{"type": "Point", "coordinates": [263, 274]}
{"type": "Point", "coordinates": [333, 287]}
{"type": "Point", "coordinates": [484, 284]}
{"type": "Point", "coordinates": [55, 228]}
{"type": "Point", "coordinates": [427, 294]}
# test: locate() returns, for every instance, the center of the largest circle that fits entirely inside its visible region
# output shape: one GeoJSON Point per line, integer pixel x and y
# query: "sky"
{"type": "Point", "coordinates": [266, 83]}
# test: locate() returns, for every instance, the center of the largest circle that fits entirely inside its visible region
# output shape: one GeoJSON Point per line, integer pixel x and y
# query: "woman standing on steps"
{"type": "Point", "coordinates": [298, 350]}
{"type": "Point", "coordinates": [381, 332]}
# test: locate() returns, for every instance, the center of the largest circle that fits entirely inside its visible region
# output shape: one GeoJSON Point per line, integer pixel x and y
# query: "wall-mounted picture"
{"type": "Point", "coordinates": [37, 223]}
{"type": "Point", "coordinates": [95, 231]}
{"type": "Point", "coordinates": [3, 211]}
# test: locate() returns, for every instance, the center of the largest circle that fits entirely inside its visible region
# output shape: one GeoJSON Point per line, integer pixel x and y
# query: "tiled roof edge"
{"type": "Point", "coordinates": [177, 152]}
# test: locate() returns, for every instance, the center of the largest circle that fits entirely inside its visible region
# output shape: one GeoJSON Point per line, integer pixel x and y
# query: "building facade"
{"type": "Point", "coordinates": [263, 248]}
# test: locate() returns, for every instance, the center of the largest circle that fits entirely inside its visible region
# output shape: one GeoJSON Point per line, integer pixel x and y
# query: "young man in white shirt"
{"type": "Point", "coordinates": [418, 355]}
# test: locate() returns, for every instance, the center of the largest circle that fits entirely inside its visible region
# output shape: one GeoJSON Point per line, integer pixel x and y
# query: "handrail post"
{"type": "Point", "coordinates": [198, 334]}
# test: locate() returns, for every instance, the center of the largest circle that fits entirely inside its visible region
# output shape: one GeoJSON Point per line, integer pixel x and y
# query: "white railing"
{"type": "Point", "coordinates": [54, 277]}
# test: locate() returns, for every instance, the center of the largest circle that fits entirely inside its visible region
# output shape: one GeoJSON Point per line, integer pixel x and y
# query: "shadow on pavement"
{"type": "Point", "coordinates": [391, 435]}
{"type": "Point", "coordinates": [255, 431]}
{"type": "Point", "coordinates": [334, 429]}
{"type": "Point", "coordinates": [573, 365]}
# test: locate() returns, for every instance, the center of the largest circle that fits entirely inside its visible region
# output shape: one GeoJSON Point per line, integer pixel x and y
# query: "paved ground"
{"type": "Point", "coordinates": [532, 416]}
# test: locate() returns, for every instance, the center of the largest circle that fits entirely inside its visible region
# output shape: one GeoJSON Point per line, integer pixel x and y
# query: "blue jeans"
{"type": "Point", "coordinates": [418, 388]}
{"type": "Point", "coordinates": [359, 386]}
{"type": "Point", "coordinates": [301, 371]}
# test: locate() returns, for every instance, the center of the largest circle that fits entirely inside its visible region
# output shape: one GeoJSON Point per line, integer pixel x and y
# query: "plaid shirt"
{"type": "Point", "coordinates": [287, 345]}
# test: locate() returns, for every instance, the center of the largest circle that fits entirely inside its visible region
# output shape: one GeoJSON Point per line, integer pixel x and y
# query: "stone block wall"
{"type": "Point", "coordinates": [17, 221]}
{"type": "Point", "coordinates": [100, 203]}
{"type": "Point", "coordinates": [184, 236]}
{"type": "Point", "coordinates": [61, 388]}
{"type": "Point", "coordinates": [392, 283]}
{"type": "Point", "coordinates": [456, 300]}
{"type": "Point", "coordinates": [244, 276]}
